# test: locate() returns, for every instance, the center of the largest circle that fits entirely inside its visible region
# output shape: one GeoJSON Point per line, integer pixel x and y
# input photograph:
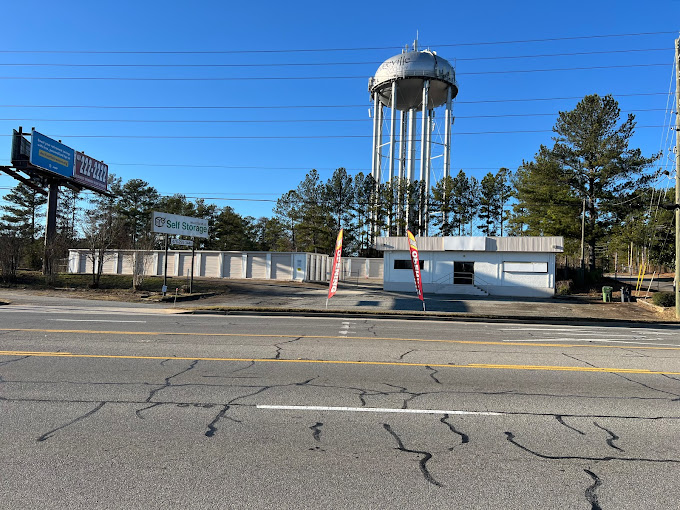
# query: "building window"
{"type": "Point", "coordinates": [407, 264]}
{"type": "Point", "coordinates": [525, 267]}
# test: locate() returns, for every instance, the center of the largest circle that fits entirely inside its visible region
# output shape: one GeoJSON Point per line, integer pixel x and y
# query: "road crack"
{"type": "Point", "coordinates": [6, 362]}
{"type": "Point", "coordinates": [426, 456]}
{"type": "Point", "coordinates": [464, 438]}
{"type": "Point", "coordinates": [433, 373]}
{"type": "Point", "coordinates": [139, 412]}
{"type": "Point", "coordinates": [316, 431]}
{"type": "Point", "coordinates": [212, 429]}
{"type": "Point", "coordinates": [167, 384]}
{"type": "Point", "coordinates": [560, 419]}
{"type": "Point", "coordinates": [279, 347]}
{"type": "Point", "coordinates": [612, 437]}
{"type": "Point", "coordinates": [590, 491]}
{"type": "Point", "coordinates": [511, 438]}
{"type": "Point", "coordinates": [407, 352]}
{"type": "Point", "coordinates": [49, 434]}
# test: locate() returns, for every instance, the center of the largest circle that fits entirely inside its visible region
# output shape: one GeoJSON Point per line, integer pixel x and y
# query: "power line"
{"type": "Point", "coordinates": [288, 137]}
{"type": "Point", "coordinates": [266, 121]}
{"type": "Point", "coordinates": [288, 78]}
{"type": "Point", "coordinates": [321, 50]}
{"type": "Point", "coordinates": [267, 107]}
{"type": "Point", "coordinates": [320, 64]}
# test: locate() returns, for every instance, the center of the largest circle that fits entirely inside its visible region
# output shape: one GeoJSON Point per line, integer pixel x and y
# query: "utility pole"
{"type": "Point", "coordinates": [583, 234]}
{"type": "Point", "coordinates": [677, 178]}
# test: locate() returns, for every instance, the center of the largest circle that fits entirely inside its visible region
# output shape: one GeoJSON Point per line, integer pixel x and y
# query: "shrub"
{"type": "Point", "coordinates": [564, 287]}
{"type": "Point", "coordinates": [665, 299]}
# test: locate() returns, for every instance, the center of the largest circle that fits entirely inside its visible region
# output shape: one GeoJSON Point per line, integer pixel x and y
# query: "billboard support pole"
{"type": "Point", "coordinates": [191, 280]}
{"type": "Point", "coordinates": [51, 228]}
{"type": "Point", "coordinates": [165, 270]}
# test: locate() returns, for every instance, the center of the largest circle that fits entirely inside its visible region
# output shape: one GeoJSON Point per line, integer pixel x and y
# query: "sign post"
{"type": "Point", "coordinates": [165, 270]}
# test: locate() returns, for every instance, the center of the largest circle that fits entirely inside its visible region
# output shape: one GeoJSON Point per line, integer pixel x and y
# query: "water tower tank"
{"type": "Point", "coordinates": [410, 70]}
{"type": "Point", "coordinates": [419, 82]}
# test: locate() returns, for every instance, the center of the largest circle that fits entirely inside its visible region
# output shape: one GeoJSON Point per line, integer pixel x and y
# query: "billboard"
{"type": "Point", "coordinates": [21, 149]}
{"type": "Point", "coordinates": [51, 155]}
{"type": "Point", "coordinates": [174, 224]}
{"type": "Point", "coordinates": [91, 172]}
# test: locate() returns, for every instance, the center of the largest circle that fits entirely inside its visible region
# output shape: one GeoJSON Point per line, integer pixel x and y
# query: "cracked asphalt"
{"type": "Point", "coordinates": [131, 408]}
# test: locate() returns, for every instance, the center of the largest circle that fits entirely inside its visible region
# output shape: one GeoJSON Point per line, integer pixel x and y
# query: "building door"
{"type": "Point", "coordinates": [463, 273]}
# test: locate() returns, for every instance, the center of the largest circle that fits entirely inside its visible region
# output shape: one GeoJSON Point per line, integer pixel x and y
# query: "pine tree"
{"type": "Point", "coordinates": [135, 202]}
{"type": "Point", "coordinates": [592, 150]}
{"type": "Point", "coordinates": [488, 199]}
{"type": "Point", "coordinates": [23, 211]}
{"type": "Point", "coordinates": [442, 205]}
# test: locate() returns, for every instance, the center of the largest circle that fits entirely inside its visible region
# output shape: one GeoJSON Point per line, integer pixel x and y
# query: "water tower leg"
{"type": "Point", "coordinates": [393, 133]}
{"type": "Point", "coordinates": [401, 160]}
{"type": "Point", "coordinates": [428, 170]}
{"type": "Point", "coordinates": [423, 150]}
{"type": "Point", "coordinates": [447, 134]}
{"type": "Point", "coordinates": [374, 148]}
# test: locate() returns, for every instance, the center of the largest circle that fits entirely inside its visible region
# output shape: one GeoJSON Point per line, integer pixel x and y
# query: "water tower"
{"type": "Point", "coordinates": [412, 83]}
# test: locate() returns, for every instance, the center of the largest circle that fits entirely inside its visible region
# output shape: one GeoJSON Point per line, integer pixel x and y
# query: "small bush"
{"type": "Point", "coordinates": [564, 287]}
{"type": "Point", "coordinates": [665, 299]}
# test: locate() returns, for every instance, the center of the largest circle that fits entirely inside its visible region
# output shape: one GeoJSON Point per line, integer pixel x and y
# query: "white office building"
{"type": "Point", "coordinates": [481, 266]}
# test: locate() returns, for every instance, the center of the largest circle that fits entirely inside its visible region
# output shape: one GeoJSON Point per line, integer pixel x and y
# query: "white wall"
{"type": "Point", "coordinates": [437, 273]}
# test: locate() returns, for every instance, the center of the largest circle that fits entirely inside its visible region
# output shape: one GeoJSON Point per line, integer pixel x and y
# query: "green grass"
{"type": "Point", "coordinates": [37, 281]}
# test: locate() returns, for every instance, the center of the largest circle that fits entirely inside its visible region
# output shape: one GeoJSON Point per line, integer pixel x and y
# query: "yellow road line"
{"type": "Point", "coordinates": [349, 362]}
{"type": "Point", "coordinates": [329, 337]}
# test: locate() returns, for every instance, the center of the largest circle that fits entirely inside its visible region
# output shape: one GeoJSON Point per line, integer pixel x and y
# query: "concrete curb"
{"type": "Point", "coordinates": [651, 306]}
{"type": "Point", "coordinates": [423, 316]}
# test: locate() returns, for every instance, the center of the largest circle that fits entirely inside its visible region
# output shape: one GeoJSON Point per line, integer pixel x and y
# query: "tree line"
{"type": "Point", "coordinates": [590, 187]}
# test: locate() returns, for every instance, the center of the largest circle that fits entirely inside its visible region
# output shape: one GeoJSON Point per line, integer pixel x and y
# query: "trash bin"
{"type": "Point", "coordinates": [625, 294]}
{"type": "Point", "coordinates": [607, 294]}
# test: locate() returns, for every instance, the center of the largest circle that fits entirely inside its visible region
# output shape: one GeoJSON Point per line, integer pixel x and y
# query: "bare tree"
{"type": "Point", "coordinates": [101, 229]}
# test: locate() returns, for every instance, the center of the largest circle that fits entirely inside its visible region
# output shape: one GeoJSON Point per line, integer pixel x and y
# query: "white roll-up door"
{"type": "Point", "coordinates": [281, 267]}
{"type": "Point", "coordinates": [256, 266]}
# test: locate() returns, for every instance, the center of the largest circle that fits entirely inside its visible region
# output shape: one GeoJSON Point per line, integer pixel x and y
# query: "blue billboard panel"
{"type": "Point", "coordinates": [51, 155]}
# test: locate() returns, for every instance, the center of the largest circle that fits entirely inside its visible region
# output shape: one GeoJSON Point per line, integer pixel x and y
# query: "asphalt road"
{"type": "Point", "coordinates": [128, 408]}
{"type": "Point", "coordinates": [658, 284]}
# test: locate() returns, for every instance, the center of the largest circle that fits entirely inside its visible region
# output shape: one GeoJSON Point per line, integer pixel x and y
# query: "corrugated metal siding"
{"type": "Point", "coordinates": [256, 266]}
{"type": "Point", "coordinates": [281, 267]}
{"type": "Point", "coordinates": [528, 244]}
{"type": "Point", "coordinates": [401, 243]}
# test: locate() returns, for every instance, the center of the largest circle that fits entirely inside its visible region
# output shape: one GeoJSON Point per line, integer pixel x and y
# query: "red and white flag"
{"type": "Point", "coordinates": [415, 262]}
{"type": "Point", "coordinates": [335, 274]}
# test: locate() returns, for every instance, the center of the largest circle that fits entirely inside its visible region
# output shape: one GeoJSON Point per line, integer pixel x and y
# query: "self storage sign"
{"type": "Point", "coordinates": [163, 223]}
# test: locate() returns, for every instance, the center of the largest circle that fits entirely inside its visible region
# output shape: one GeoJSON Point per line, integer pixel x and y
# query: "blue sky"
{"type": "Point", "coordinates": [250, 155]}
